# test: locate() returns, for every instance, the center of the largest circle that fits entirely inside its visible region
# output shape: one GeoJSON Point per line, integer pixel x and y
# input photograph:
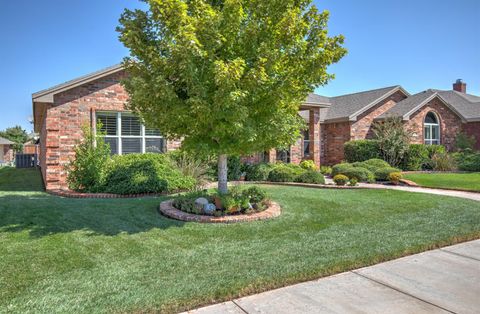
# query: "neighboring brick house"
{"type": "Point", "coordinates": [61, 111]}
{"type": "Point", "coordinates": [7, 154]}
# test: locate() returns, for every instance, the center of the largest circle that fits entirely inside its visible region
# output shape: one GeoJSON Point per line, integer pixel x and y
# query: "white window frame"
{"type": "Point", "coordinates": [119, 135]}
{"type": "Point", "coordinates": [431, 140]}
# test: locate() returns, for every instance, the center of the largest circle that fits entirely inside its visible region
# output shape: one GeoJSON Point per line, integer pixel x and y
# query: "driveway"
{"type": "Point", "coordinates": [445, 280]}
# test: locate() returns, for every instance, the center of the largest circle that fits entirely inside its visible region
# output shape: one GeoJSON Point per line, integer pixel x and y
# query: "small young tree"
{"type": "Point", "coordinates": [85, 171]}
{"type": "Point", "coordinates": [393, 139]}
{"type": "Point", "coordinates": [17, 135]}
{"type": "Point", "coordinates": [226, 76]}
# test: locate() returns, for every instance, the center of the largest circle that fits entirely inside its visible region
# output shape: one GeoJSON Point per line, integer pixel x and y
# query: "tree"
{"type": "Point", "coordinates": [17, 135]}
{"type": "Point", "coordinates": [393, 139]}
{"type": "Point", "coordinates": [226, 76]}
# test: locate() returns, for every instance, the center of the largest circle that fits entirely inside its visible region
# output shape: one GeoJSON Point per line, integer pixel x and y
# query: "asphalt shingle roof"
{"type": "Point", "coordinates": [346, 105]}
{"type": "Point", "coordinates": [4, 141]}
{"type": "Point", "coordinates": [467, 106]}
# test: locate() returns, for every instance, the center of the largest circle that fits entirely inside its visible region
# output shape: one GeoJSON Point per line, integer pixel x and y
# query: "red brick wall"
{"type": "Point", "coordinates": [473, 128]}
{"type": "Point", "coordinates": [8, 154]}
{"type": "Point", "coordinates": [362, 128]}
{"type": "Point", "coordinates": [71, 110]}
{"type": "Point", "coordinates": [334, 136]}
{"type": "Point", "coordinates": [450, 123]}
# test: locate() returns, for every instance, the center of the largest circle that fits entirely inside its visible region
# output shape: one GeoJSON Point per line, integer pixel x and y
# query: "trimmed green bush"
{"type": "Point", "coordinates": [144, 173]}
{"type": "Point", "coordinates": [311, 176]}
{"type": "Point", "coordinates": [257, 172]}
{"type": "Point", "coordinates": [415, 157]}
{"type": "Point", "coordinates": [382, 174]}
{"type": "Point", "coordinates": [326, 170]}
{"type": "Point", "coordinates": [468, 161]}
{"type": "Point", "coordinates": [359, 173]}
{"type": "Point", "coordinates": [372, 164]}
{"type": "Point", "coordinates": [308, 165]}
{"type": "Point", "coordinates": [361, 150]}
{"type": "Point", "coordinates": [283, 173]}
{"type": "Point", "coordinates": [340, 168]}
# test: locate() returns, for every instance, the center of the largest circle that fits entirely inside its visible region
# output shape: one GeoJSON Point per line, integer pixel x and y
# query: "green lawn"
{"type": "Point", "coordinates": [120, 255]}
{"type": "Point", "coordinates": [461, 181]}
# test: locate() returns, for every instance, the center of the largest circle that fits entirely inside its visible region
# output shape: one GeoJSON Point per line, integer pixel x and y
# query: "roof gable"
{"type": "Point", "coordinates": [349, 107]}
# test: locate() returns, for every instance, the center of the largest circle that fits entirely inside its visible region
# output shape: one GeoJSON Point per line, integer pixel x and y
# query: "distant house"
{"type": "Point", "coordinates": [6, 151]}
{"type": "Point", "coordinates": [434, 116]}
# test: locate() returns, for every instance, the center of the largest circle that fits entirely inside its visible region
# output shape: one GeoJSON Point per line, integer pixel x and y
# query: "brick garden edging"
{"type": "Point", "coordinates": [166, 208]}
{"type": "Point", "coordinates": [73, 194]}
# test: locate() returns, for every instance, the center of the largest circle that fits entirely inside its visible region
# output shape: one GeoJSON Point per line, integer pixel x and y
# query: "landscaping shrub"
{"type": "Point", "coordinates": [372, 164]}
{"type": "Point", "coordinates": [415, 157]}
{"type": "Point", "coordinates": [393, 139]}
{"type": "Point", "coordinates": [340, 168]}
{"type": "Point", "coordinates": [359, 173]}
{"type": "Point", "coordinates": [340, 179]}
{"type": "Point", "coordinates": [443, 162]}
{"type": "Point", "coordinates": [234, 166]}
{"type": "Point", "coordinates": [193, 166]}
{"type": "Point", "coordinates": [395, 177]}
{"type": "Point", "coordinates": [284, 173]}
{"type": "Point", "coordinates": [352, 182]}
{"type": "Point", "coordinates": [382, 173]}
{"type": "Point", "coordinates": [255, 194]}
{"type": "Point", "coordinates": [257, 172]}
{"type": "Point", "coordinates": [464, 142]}
{"type": "Point", "coordinates": [361, 150]}
{"type": "Point", "coordinates": [144, 173]}
{"type": "Point", "coordinates": [311, 176]}
{"type": "Point", "coordinates": [308, 165]}
{"type": "Point", "coordinates": [326, 170]}
{"type": "Point", "coordinates": [85, 173]}
{"type": "Point", "coordinates": [468, 161]}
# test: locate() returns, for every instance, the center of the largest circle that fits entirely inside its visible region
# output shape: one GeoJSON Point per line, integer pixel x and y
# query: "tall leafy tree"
{"type": "Point", "coordinates": [17, 135]}
{"type": "Point", "coordinates": [226, 76]}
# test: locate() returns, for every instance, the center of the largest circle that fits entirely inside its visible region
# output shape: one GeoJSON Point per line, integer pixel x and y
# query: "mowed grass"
{"type": "Point", "coordinates": [119, 255]}
{"type": "Point", "coordinates": [461, 181]}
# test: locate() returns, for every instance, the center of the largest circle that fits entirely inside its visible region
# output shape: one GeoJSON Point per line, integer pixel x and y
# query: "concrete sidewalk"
{"type": "Point", "coordinates": [446, 280]}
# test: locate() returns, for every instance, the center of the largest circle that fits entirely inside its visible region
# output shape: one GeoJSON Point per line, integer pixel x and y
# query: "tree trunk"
{"type": "Point", "coordinates": [222, 174]}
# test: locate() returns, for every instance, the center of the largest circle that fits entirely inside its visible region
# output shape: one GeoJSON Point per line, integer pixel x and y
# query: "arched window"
{"type": "Point", "coordinates": [431, 127]}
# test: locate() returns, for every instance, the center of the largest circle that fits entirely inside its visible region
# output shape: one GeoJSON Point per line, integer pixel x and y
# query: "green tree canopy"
{"type": "Point", "coordinates": [226, 76]}
{"type": "Point", "coordinates": [15, 134]}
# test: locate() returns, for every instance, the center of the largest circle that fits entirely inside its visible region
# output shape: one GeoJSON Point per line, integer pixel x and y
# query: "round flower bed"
{"type": "Point", "coordinates": [238, 205]}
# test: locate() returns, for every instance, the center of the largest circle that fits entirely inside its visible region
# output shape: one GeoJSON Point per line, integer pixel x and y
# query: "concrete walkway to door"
{"type": "Point", "coordinates": [445, 280]}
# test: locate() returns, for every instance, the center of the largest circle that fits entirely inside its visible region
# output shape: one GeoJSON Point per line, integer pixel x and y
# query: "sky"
{"type": "Point", "coordinates": [418, 44]}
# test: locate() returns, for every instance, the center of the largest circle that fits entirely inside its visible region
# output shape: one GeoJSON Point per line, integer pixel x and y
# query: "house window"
{"type": "Point", "coordinates": [431, 127]}
{"type": "Point", "coordinates": [306, 143]}
{"type": "Point", "coordinates": [283, 155]}
{"type": "Point", "coordinates": [126, 134]}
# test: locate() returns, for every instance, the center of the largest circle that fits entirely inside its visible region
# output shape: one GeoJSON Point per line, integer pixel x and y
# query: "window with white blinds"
{"type": "Point", "coordinates": [125, 134]}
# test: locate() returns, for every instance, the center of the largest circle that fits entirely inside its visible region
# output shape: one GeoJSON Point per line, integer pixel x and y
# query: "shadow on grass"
{"type": "Point", "coordinates": [41, 214]}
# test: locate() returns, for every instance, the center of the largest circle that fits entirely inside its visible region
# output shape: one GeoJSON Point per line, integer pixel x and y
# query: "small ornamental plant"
{"type": "Point", "coordinates": [395, 177]}
{"type": "Point", "coordinates": [308, 165]}
{"type": "Point", "coordinates": [236, 201]}
{"type": "Point", "coordinates": [340, 179]}
{"type": "Point", "coordinates": [353, 182]}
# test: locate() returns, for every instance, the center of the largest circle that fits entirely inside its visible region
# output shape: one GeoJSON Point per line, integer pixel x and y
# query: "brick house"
{"type": "Point", "coordinates": [61, 111]}
{"type": "Point", "coordinates": [7, 154]}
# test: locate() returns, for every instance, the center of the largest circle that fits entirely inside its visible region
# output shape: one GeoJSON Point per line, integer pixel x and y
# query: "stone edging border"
{"type": "Point", "coordinates": [166, 208]}
{"type": "Point", "coordinates": [73, 194]}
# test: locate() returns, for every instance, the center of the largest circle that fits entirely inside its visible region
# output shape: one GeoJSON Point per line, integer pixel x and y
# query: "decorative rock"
{"type": "Point", "coordinates": [209, 208]}
{"type": "Point", "coordinates": [201, 202]}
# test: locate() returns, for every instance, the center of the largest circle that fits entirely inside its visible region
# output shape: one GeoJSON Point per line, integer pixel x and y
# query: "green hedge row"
{"type": "Point", "coordinates": [418, 156]}
{"type": "Point", "coordinates": [282, 173]}
{"type": "Point", "coordinates": [365, 171]}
